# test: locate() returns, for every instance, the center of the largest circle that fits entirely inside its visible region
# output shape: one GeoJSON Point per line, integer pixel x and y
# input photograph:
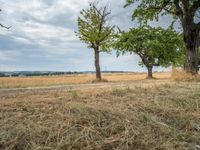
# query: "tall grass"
{"type": "Point", "coordinates": [181, 75]}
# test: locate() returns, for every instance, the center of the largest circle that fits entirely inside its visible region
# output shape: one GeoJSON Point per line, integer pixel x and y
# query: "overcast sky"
{"type": "Point", "coordinates": [42, 36]}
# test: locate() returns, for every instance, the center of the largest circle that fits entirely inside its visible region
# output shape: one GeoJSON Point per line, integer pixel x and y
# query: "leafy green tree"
{"type": "Point", "coordinates": [95, 31]}
{"type": "Point", "coordinates": [183, 10]}
{"type": "Point", "coordinates": [155, 46]}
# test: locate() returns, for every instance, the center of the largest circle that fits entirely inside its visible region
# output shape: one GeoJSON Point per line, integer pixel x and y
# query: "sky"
{"type": "Point", "coordinates": [42, 37]}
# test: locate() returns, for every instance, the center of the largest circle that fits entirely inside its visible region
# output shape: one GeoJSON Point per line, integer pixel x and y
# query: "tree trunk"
{"type": "Point", "coordinates": [192, 60]}
{"type": "Point", "coordinates": [191, 35]}
{"type": "Point", "coordinates": [97, 66]}
{"type": "Point", "coordinates": [148, 65]}
{"type": "Point", "coordinates": [150, 74]}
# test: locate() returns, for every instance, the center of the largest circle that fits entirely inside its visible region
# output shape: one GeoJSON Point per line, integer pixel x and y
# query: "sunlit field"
{"type": "Point", "coordinates": [142, 114]}
{"type": "Point", "coordinates": [59, 88]}
{"type": "Point", "coordinates": [19, 82]}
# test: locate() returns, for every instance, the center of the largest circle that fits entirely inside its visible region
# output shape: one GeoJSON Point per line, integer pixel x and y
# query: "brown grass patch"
{"type": "Point", "coordinates": [181, 75]}
{"type": "Point", "coordinates": [151, 117]}
{"type": "Point", "coordinates": [99, 81]}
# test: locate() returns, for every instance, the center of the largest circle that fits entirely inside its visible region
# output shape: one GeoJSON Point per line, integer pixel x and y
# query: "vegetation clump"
{"type": "Point", "coordinates": [181, 75]}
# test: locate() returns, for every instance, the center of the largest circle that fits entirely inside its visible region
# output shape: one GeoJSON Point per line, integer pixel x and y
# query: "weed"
{"type": "Point", "coordinates": [56, 95]}
{"type": "Point", "coordinates": [74, 94]}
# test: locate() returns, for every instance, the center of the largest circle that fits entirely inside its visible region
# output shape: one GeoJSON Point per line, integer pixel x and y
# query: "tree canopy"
{"type": "Point", "coordinates": [151, 9]}
{"type": "Point", "coordinates": [155, 46]}
{"type": "Point", "coordinates": [94, 28]}
{"type": "Point", "coordinates": [184, 10]}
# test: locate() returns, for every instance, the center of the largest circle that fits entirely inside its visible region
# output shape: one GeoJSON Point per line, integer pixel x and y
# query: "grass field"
{"type": "Point", "coordinates": [20, 82]}
{"type": "Point", "coordinates": [145, 114]}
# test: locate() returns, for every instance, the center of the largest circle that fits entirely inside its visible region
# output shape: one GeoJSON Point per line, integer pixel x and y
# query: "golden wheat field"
{"type": "Point", "coordinates": [18, 82]}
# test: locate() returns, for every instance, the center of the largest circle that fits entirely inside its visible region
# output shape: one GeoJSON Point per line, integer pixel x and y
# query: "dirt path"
{"type": "Point", "coordinates": [131, 84]}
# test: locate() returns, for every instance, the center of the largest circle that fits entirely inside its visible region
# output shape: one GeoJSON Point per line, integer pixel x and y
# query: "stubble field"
{"type": "Point", "coordinates": [21, 82]}
{"type": "Point", "coordinates": [126, 115]}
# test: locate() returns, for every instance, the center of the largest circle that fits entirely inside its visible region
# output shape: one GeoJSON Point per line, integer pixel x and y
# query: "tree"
{"type": "Point", "coordinates": [1, 25]}
{"type": "Point", "coordinates": [155, 46]}
{"type": "Point", "coordinates": [184, 11]}
{"type": "Point", "coordinates": [95, 31]}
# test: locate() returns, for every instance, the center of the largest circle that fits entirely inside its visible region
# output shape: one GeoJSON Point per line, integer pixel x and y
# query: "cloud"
{"type": "Point", "coordinates": [197, 16]}
{"type": "Point", "coordinates": [42, 36]}
{"type": "Point", "coordinates": [4, 56]}
{"type": "Point", "coordinates": [22, 40]}
{"type": "Point", "coordinates": [8, 55]}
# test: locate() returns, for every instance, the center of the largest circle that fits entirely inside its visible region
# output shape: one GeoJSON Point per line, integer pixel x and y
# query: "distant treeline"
{"type": "Point", "coordinates": [37, 73]}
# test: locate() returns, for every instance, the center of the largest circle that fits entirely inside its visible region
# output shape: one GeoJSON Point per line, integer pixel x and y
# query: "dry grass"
{"type": "Point", "coordinates": [152, 117]}
{"type": "Point", "coordinates": [180, 75]}
{"type": "Point", "coordinates": [19, 82]}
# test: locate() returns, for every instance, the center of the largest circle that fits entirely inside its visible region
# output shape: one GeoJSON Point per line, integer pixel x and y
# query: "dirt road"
{"type": "Point", "coordinates": [131, 84]}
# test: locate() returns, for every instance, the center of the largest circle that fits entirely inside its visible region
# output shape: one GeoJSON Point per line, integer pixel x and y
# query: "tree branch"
{"type": "Point", "coordinates": [195, 6]}
{"type": "Point", "coordinates": [5, 26]}
{"type": "Point", "coordinates": [179, 9]}
{"type": "Point", "coordinates": [1, 25]}
{"type": "Point", "coordinates": [162, 7]}
{"type": "Point", "coordinates": [103, 13]}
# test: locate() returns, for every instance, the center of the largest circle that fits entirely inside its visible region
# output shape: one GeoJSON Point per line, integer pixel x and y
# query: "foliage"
{"type": "Point", "coordinates": [152, 9]}
{"type": "Point", "coordinates": [158, 46]}
{"type": "Point", "coordinates": [186, 12]}
{"type": "Point", "coordinates": [94, 28]}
